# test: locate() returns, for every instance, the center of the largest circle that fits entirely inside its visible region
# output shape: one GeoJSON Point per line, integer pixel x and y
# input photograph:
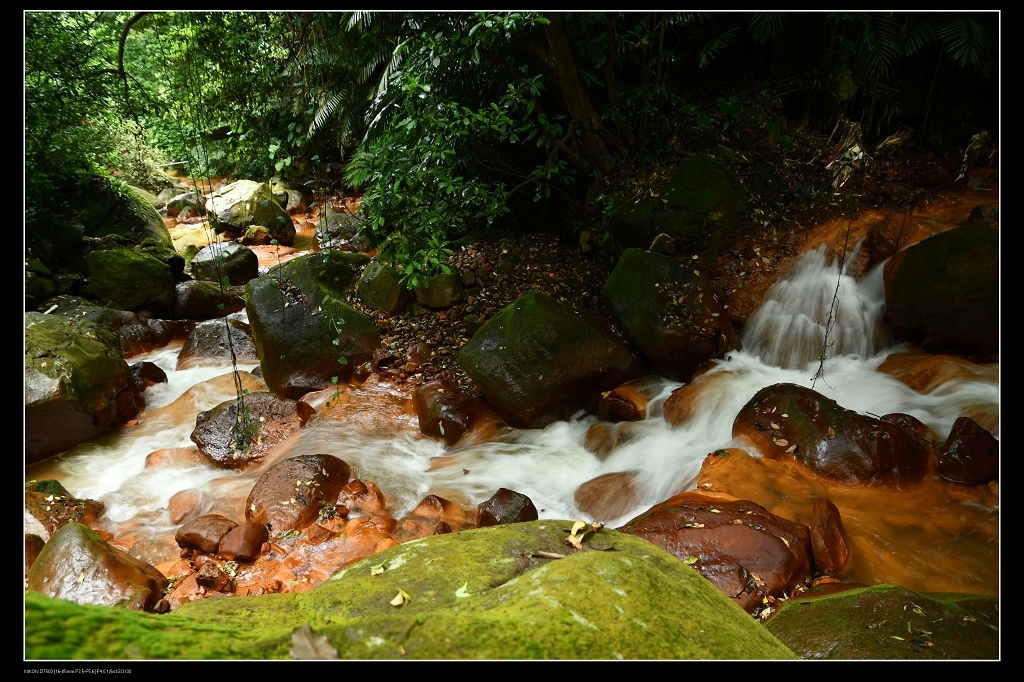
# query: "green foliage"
{"type": "Point", "coordinates": [425, 174]}
{"type": "Point", "coordinates": [71, 105]}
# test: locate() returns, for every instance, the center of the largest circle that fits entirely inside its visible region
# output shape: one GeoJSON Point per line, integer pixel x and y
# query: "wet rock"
{"type": "Point", "coordinates": [236, 262]}
{"type": "Point", "coordinates": [970, 454]}
{"type": "Point", "coordinates": [292, 493]}
{"type": "Point", "coordinates": [786, 420]}
{"type": "Point", "coordinates": [227, 442]}
{"type": "Point", "coordinates": [446, 413]}
{"type": "Point", "coordinates": [308, 338]}
{"type": "Point", "coordinates": [214, 341]}
{"type": "Point", "coordinates": [505, 506]}
{"type": "Point", "coordinates": [33, 546]}
{"type": "Point", "coordinates": [943, 293]}
{"type": "Point", "coordinates": [75, 377]}
{"type": "Point", "coordinates": [148, 374]}
{"type": "Point", "coordinates": [888, 622]}
{"type": "Point", "coordinates": [537, 361]}
{"type": "Point", "coordinates": [603, 438]}
{"type": "Point", "coordinates": [53, 506]}
{"type": "Point", "coordinates": [669, 312]}
{"type": "Point", "coordinates": [627, 402]}
{"type": "Point", "coordinates": [186, 505]}
{"type": "Point", "coordinates": [77, 565]}
{"type": "Point", "coordinates": [749, 553]}
{"type": "Point", "coordinates": [607, 497]}
{"type": "Point", "coordinates": [244, 541]}
{"type": "Point", "coordinates": [197, 300]}
{"type": "Point", "coordinates": [829, 540]}
{"type": "Point", "coordinates": [212, 578]}
{"type": "Point", "coordinates": [204, 533]}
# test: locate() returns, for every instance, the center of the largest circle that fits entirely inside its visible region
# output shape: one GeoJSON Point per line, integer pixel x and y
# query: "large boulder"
{"type": "Point", "coordinates": [76, 384]}
{"type": "Point", "coordinates": [198, 300]}
{"type": "Point", "coordinates": [245, 203]}
{"type": "Point", "coordinates": [217, 342]}
{"type": "Point", "coordinates": [111, 208]}
{"type": "Point", "coordinates": [139, 333]}
{"type": "Point", "coordinates": [701, 191]}
{"type": "Point", "coordinates": [76, 564]}
{"type": "Point", "coordinates": [381, 289]}
{"type": "Point", "coordinates": [293, 493]}
{"type": "Point", "coordinates": [887, 622]}
{"type": "Point", "coordinates": [231, 260]}
{"type": "Point", "coordinates": [669, 312]}
{"type": "Point", "coordinates": [537, 361]}
{"type": "Point", "coordinates": [129, 280]}
{"type": "Point", "coordinates": [750, 554]}
{"type": "Point", "coordinates": [236, 441]}
{"type": "Point", "coordinates": [487, 593]}
{"type": "Point", "coordinates": [943, 293]}
{"type": "Point", "coordinates": [307, 337]}
{"type": "Point", "coordinates": [790, 421]}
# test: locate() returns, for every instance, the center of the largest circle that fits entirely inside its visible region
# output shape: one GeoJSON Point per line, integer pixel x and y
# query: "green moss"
{"type": "Point", "coordinates": [479, 594]}
{"type": "Point", "coordinates": [889, 622]}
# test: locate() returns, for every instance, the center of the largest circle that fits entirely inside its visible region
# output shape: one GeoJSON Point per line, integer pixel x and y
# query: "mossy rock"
{"type": "Point", "coordinates": [484, 593]}
{"type": "Point", "coordinates": [890, 622]}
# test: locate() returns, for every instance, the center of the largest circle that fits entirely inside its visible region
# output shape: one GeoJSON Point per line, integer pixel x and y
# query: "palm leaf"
{"type": "Point", "coordinates": [766, 27]}
{"type": "Point", "coordinates": [708, 52]}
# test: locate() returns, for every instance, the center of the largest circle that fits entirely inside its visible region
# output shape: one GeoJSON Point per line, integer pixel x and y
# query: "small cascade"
{"type": "Point", "coordinates": [818, 307]}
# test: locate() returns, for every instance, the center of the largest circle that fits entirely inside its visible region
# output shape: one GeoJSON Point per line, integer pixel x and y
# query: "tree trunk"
{"type": "Point", "coordinates": [562, 63]}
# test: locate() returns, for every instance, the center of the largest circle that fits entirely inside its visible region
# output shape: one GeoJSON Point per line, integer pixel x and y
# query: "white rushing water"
{"type": "Point", "coordinates": [781, 344]}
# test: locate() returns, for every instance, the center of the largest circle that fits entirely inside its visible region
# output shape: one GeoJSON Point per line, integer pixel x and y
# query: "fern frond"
{"type": "Point", "coordinates": [968, 39]}
{"type": "Point", "coordinates": [708, 52]}
{"type": "Point", "coordinates": [766, 27]}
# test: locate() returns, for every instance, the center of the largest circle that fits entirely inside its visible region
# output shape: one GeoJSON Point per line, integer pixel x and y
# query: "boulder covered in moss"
{"type": "Point", "coordinates": [76, 384]}
{"type": "Point", "coordinates": [890, 622]}
{"type": "Point", "coordinates": [486, 593]}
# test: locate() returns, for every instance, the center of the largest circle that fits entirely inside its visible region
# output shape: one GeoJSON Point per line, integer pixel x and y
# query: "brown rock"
{"type": "Point", "coordinates": [749, 553]}
{"type": "Point", "coordinates": [505, 506]}
{"type": "Point", "coordinates": [608, 496]}
{"type": "Point", "coordinates": [244, 541]}
{"type": "Point", "coordinates": [77, 565]}
{"type": "Point", "coordinates": [787, 420]}
{"type": "Point", "coordinates": [362, 496]}
{"type": "Point", "coordinates": [210, 577]}
{"type": "Point", "coordinates": [446, 413]}
{"type": "Point", "coordinates": [604, 437]}
{"type": "Point", "coordinates": [204, 533]}
{"type": "Point", "coordinates": [53, 506]}
{"type": "Point", "coordinates": [271, 419]}
{"type": "Point", "coordinates": [33, 545]}
{"type": "Point", "coordinates": [829, 541]}
{"type": "Point", "coordinates": [291, 494]}
{"type": "Point", "coordinates": [185, 505]}
{"type": "Point", "coordinates": [970, 454]}
{"type": "Point", "coordinates": [317, 534]}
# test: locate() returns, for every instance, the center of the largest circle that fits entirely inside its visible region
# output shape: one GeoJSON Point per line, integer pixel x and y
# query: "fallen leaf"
{"type": "Point", "coordinates": [307, 645]}
{"type": "Point", "coordinates": [400, 598]}
{"type": "Point", "coordinates": [461, 592]}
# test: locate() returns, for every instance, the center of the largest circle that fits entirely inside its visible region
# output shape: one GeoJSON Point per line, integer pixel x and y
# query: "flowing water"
{"type": "Point", "coordinates": [935, 537]}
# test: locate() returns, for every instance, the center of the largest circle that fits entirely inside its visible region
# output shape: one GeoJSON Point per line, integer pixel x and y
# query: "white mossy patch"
{"type": "Point", "coordinates": [581, 620]}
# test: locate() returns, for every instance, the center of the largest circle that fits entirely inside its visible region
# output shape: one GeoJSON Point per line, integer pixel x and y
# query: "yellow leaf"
{"type": "Point", "coordinates": [400, 598]}
{"type": "Point", "coordinates": [377, 570]}
{"type": "Point", "coordinates": [577, 526]}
